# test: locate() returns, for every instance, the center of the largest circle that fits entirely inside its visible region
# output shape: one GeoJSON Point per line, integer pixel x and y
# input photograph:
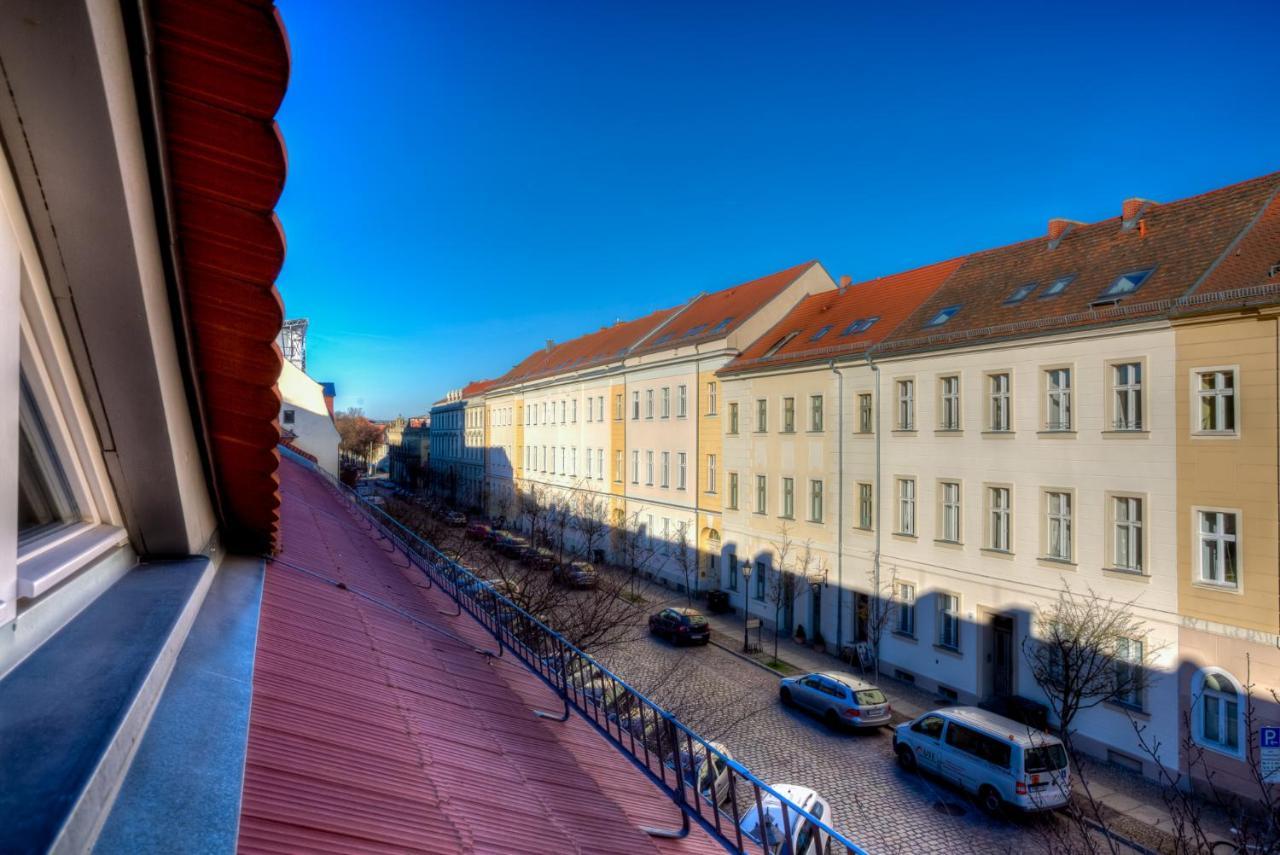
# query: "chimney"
{"type": "Point", "coordinates": [1058, 229]}
{"type": "Point", "coordinates": [551, 342]}
{"type": "Point", "coordinates": [845, 282]}
{"type": "Point", "coordinates": [1132, 210]}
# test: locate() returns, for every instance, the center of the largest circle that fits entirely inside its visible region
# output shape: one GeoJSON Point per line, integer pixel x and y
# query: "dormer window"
{"type": "Point", "coordinates": [860, 325]}
{"type": "Point", "coordinates": [1127, 283]}
{"type": "Point", "coordinates": [723, 325]}
{"type": "Point", "coordinates": [1056, 287]}
{"type": "Point", "coordinates": [699, 328]}
{"type": "Point", "coordinates": [1020, 293]}
{"type": "Point", "coordinates": [942, 317]}
{"type": "Point", "coordinates": [664, 339]}
{"type": "Point", "coordinates": [820, 333]}
{"type": "Point", "coordinates": [779, 344]}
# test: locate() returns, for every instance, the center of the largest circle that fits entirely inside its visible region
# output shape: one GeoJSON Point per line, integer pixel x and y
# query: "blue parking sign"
{"type": "Point", "coordinates": [1269, 753]}
{"type": "Point", "coordinates": [1269, 737]}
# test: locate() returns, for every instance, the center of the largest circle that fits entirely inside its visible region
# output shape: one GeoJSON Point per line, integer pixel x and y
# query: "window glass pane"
{"type": "Point", "coordinates": [44, 496]}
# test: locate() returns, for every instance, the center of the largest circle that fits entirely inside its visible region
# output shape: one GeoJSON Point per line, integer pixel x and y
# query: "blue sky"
{"type": "Point", "coordinates": [468, 179]}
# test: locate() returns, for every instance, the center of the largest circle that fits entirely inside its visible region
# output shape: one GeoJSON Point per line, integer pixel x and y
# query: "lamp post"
{"type": "Point", "coordinates": [746, 605]}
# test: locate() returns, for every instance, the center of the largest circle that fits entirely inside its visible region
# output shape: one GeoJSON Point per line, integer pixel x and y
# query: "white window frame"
{"type": "Point", "coordinates": [1201, 706]}
{"type": "Point", "coordinates": [635, 466]}
{"type": "Point", "coordinates": [1127, 394]}
{"type": "Point", "coordinates": [732, 489]}
{"type": "Point", "coordinates": [762, 494]}
{"type": "Point", "coordinates": [999, 401]}
{"type": "Point", "coordinates": [866, 506]}
{"type": "Point", "coordinates": [1128, 545]}
{"type": "Point", "coordinates": [906, 506]}
{"type": "Point", "coordinates": [905, 622]}
{"type": "Point", "coordinates": [711, 398]}
{"type": "Point", "coordinates": [787, 509]}
{"type": "Point", "coordinates": [788, 415]}
{"type": "Point", "coordinates": [666, 469]}
{"type": "Point", "coordinates": [906, 404]}
{"type": "Point", "coordinates": [816, 503]}
{"type": "Point", "coordinates": [682, 469]}
{"type": "Point", "coordinates": [682, 401]}
{"type": "Point", "coordinates": [1059, 522]}
{"type": "Point", "coordinates": [949, 402]}
{"type": "Point", "coordinates": [1128, 661]}
{"type": "Point", "coordinates": [1198, 516]}
{"type": "Point", "coordinates": [950, 499]}
{"type": "Point", "coordinates": [948, 617]}
{"type": "Point", "coordinates": [1057, 399]}
{"type": "Point", "coordinates": [999, 517]}
{"type": "Point", "coordinates": [664, 410]}
{"type": "Point", "coordinates": [817, 416]}
{"type": "Point", "coordinates": [1217, 395]}
{"type": "Point", "coordinates": [866, 413]}
{"type": "Point", "coordinates": [711, 473]}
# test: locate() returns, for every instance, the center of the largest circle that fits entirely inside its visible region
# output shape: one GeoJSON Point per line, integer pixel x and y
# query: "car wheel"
{"type": "Point", "coordinates": [906, 758]}
{"type": "Point", "coordinates": [784, 694]}
{"type": "Point", "coordinates": [832, 720]}
{"type": "Point", "coordinates": [989, 800]}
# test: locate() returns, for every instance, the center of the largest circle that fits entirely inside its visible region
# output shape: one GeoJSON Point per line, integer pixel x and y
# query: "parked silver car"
{"type": "Point", "coordinates": [839, 698]}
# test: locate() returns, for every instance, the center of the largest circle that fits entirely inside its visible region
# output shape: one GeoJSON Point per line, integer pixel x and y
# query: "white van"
{"type": "Point", "coordinates": [806, 838]}
{"type": "Point", "coordinates": [999, 760]}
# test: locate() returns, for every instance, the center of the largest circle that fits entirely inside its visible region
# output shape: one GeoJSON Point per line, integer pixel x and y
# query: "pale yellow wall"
{"type": "Point", "coordinates": [617, 437]}
{"type": "Point", "coordinates": [1232, 473]}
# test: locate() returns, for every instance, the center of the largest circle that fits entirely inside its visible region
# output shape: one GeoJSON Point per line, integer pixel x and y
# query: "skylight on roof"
{"type": "Point", "coordinates": [1020, 293]}
{"type": "Point", "coordinates": [1127, 283]}
{"type": "Point", "coordinates": [1057, 286]}
{"type": "Point", "coordinates": [942, 317]}
{"type": "Point", "coordinates": [779, 344]}
{"type": "Point", "coordinates": [723, 324]}
{"type": "Point", "coordinates": [860, 325]}
{"type": "Point", "coordinates": [820, 333]}
{"type": "Point", "coordinates": [661, 339]}
{"type": "Point", "coordinates": [699, 328]}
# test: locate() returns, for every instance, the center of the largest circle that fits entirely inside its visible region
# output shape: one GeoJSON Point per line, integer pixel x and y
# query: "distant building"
{"type": "Point", "coordinates": [459, 437]}
{"type": "Point", "coordinates": [306, 416]}
{"type": "Point", "coordinates": [407, 452]}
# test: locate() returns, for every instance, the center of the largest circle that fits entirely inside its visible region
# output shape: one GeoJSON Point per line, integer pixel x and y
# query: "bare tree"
{"type": "Point", "coordinates": [784, 585]}
{"type": "Point", "coordinates": [686, 560]}
{"type": "Point", "coordinates": [592, 523]}
{"type": "Point", "coordinates": [881, 612]}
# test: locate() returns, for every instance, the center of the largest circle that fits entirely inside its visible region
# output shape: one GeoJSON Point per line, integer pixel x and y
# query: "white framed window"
{"type": "Point", "coordinates": [1127, 664]}
{"type": "Point", "coordinates": [762, 494]}
{"type": "Point", "coordinates": [648, 403]}
{"type": "Point", "coordinates": [648, 462]}
{"type": "Point", "coordinates": [1218, 705]}
{"type": "Point", "coordinates": [1126, 391]}
{"type": "Point", "coordinates": [1058, 399]}
{"type": "Point", "coordinates": [906, 609]}
{"type": "Point", "coordinates": [815, 501]}
{"type": "Point", "coordinates": [573, 417]}
{"type": "Point", "coordinates": [286, 417]}
{"type": "Point", "coordinates": [682, 401]}
{"type": "Point", "coordinates": [948, 620]}
{"type": "Point", "coordinates": [1217, 537]}
{"type": "Point", "coordinates": [949, 395]}
{"type": "Point", "coordinates": [587, 461]}
{"type": "Point", "coordinates": [732, 498]}
{"type": "Point", "coordinates": [788, 498]}
{"type": "Point", "coordinates": [788, 415]}
{"type": "Point", "coordinates": [617, 465]}
{"type": "Point", "coordinates": [866, 419]}
{"type": "Point", "coordinates": [635, 405]}
{"type": "Point", "coordinates": [998, 412]}
{"type": "Point", "coordinates": [733, 418]}
{"type": "Point", "coordinates": [1216, 400]}
{"type": "Point", "coordinates": [866, 504]}
{"type": "Point", "coordinates": [815, 412]}
{"type": "Point", "coordinates": [1058, 525]}
{"type": "Point", "coordinates": [681, 470]}
{"type": "Point", "coordinates": [666, 469]}
{"type": "Point", "coordinates": [998, 519]}
{"type": "Point", "coordinates": [906, 506]}
{"type": "Point", "coordinates": [906, 405]}
{"type": "Point", "coordinates": [666, 402]}
{"type": "Point", "coordinates": [711, 473]}
{"type": "Point", "coordinates": [762, 415]}
{"type": "Point", "coordinates": [711, 398]}
{"type": "Point", "coordinates": [617, 407]}
{"type": "Point", "coordinates": [950, 501]}
{"type": "Point", "coordinates": [1127, 543]}
{"type": "Point", "coordinates": [635, 467]}
{"type": "Point", "coordinates": [600, 408]}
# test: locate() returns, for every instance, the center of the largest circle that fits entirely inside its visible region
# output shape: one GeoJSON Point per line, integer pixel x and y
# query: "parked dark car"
{"type": "Point", "coordinates": [681, 626]}
{"type": "Point", "coordinates": [508, 546]}
{"type": "Point", "coordinates": [544, 559]}
{"type": "Point", "coordinates": [455, 518]}
{"type": "Point", "coordinates": [478, 531]}
{"type": "Point", "coordinates": [577, 574]}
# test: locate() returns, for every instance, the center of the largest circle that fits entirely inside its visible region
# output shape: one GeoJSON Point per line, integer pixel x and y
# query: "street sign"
{"type": "Point", "coordinates": [1269, 751]}
{"type": "Point", "coordinates": [753, 623]}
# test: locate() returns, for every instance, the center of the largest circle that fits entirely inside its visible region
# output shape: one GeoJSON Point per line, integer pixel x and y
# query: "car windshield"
{"type": "Point", "coordinates": [869, 696]}
{"type": "Point", "coordinates": [697, 620]}
{"type": "Point", "coordinates": [1047, 758]}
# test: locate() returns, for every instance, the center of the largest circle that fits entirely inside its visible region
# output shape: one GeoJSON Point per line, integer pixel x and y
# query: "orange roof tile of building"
{"type": "Point", "coordinates": [476, 387]}
{"type": "Point", "coordinates": [849, 320]}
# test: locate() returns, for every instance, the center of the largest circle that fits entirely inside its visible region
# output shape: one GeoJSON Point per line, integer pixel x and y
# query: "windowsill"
{"type": "Point", "coordinates": [1116, 433]}
{"type": "Point", "coordinates": [948, 432]}
{"type": "Point", "coordinates": [786, 517]}
{"type": "Point", "coordinates": [867, 433]}
{"type": "Point", "coordinates": [787, 431]}
{"type": "Point", "coordinates": [1215, 434]}
{"type": "Point", "coordinates": [865, 529]}
{"type": "Point", "coordinates": [905, 535]}
{"type": "Point", "coordinates": [760, 513]}
{"type": "Point", "coordinates": [1122, 573]}
{"type": "Point", "coordinates": [1127, 709]}
{"type": "Point", "coordinates": [903, 431]}
{"type": "Point", "coordinates": [950, 651]}
{"type": "Point", "coordinates": [1061, 562]}
{"type": "Point", "coordinates": [1216, 586]}
{"type": "Point", "coordinates": [1002, 433]}
{"type": "Point", "coordinates": [906, 636]}
{"type": "Point", "coordinates": [999, 553]}
{"type": "Point", "coordinates": [814, 522]}
{"type": "Point", "coordinates": [1059, 432]}
{"type": "Point", "coordinates": [1235, 754]}
{"type": "Point", "coordinates": [952, 544]}
{"type": "Point", "coordinates": [815, 431]}
{"type": "Point", "coordinates": [62, 553]}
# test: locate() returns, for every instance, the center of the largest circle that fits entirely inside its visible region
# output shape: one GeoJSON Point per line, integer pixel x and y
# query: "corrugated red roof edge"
{"type": "Point", "coordinates": [222, 67]}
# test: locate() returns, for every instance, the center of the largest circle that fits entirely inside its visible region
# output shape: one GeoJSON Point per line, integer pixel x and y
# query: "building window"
{"type": "Point", "coordinates": [682, 401]}
{"type": "Point", "coordinates": [1127, 511]}
{"type": "Point", "coordinates": [815, 412]}
{"type": "Point", "coordinates": [711, 399]}
{"type": "Point", "coordinates": [815, 501]}
{"type": "Point", "coordinates": [617, 407]}
{"type": "Point", "coordinates": [762, 494]}
{"type": "Point", "coordinates": [666, 402]}
{"type": "Point", "coordinates": [949, 621]}
{"type": "Point", "coordinates": [287, 417]}
{"type": "Point", "coordinates": [573, 417]}
{"type": "Point", "coordinates": [949, 390]}
{"type": "Point", "coordinates": [635, 467]}
{"type": "Point", "coordinates": [998, 518]}
{"type": "Point", "coordinates": [762, 415]}
{"type": "Point", "coordinates": [906, 623]}
{"type": "Point", "coordinates": [1127, 377]}
{"type": "Point", "coordinates": [45, 499]}
{"type": "Point", "coordinates": [635, 405]}
{"type": "Point", "coordinates": [999, 402]}
{"type": "Point", "coordinates": [865, 418]}
{"type": "Point", "coordinates": [733, 418]}
{"type": "Point", "coordinates": [1129, 676]}
{"type": "Point", "coordinates": [788, 415]}
{"type": "Point", "coordinates": [950, 512]}
{"type": "Point", "coordinates": [1219, 549]}
{"type": "Point", "coordinates": [1126, 283]}
{"type": "Point", "coordinates": [599, 464]}
{"type": "Point", "coordinates": [711, 473]}
{"type": "Point", "coordinates": [733, 571]}
{"type": "Point", "coordinates": [906, 506]}
{"type": "Point", "coordinates": [1059, 523]}
{"type": "Point", "coordinates": [1218, 722]}
{"type": "Point", "coordinates": [865, 505]}
{"type": "Point", "coordinates": [648, 403]}
{"type": "Point", "coordinates": [680, 470]}
{"type": "Point", "coordinates": [617, 466]}
{"type": "Point", "coordinates": [588, 461]}
{"type": "Point", "coordinates": [762, 570]}
{"type": "Point", "coordinates": [666, 469]}
{"type": "Point", "coordinates": [733, 491]}
{"type": "Point", "coordinates": [788, 498]}
{"type": "Point", "coordinates": [1216, 396]}
{"type": "Point", "coordinates": [1058, 398]}
{"type": "Point", "coordinates": [906, 405]}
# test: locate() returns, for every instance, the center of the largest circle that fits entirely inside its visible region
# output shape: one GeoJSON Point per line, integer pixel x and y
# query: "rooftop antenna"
{"type": "Point", "coordinates": [293, 342]}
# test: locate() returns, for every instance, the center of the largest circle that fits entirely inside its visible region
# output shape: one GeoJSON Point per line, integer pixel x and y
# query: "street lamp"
{"type": "Point", "coordinates": [746, 605]}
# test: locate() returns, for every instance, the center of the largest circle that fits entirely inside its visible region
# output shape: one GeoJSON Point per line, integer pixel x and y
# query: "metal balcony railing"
{"type": "Point", "coordinates": [670, 754]}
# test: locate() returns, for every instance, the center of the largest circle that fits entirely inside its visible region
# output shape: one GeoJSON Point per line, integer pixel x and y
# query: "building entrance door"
{"type": "Point", "coordinates": [1001, 655]}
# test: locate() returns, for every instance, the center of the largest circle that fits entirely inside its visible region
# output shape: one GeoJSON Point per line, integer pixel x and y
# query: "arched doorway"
{"type": "Point", "coordinates": [710, 570]}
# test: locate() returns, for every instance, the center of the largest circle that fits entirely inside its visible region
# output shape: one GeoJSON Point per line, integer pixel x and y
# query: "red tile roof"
{"type": "Point", "coordinates": [716, 315]}
{"type": "Point", "coordinates": [476, 387]}
{"type": "Point", "coordinates": [371, 733]}
{"type": "Point", "coordinates": [1254, 260]}
{"type": "Point", "coordinates": [888, 300]}
{"type": "Point", "coordinates": [222, 68]}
